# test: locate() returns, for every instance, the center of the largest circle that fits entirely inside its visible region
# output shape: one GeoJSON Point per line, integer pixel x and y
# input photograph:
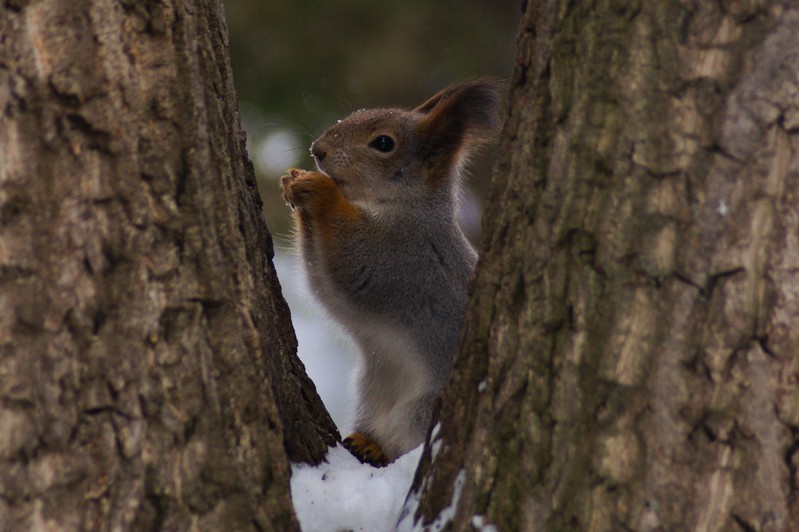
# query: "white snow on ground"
{"type": "Point", "coordinates": [344, 494]}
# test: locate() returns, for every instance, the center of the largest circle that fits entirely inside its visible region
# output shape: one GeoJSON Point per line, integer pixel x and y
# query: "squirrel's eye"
{"type": "Point", "coordinates": [383, 143]}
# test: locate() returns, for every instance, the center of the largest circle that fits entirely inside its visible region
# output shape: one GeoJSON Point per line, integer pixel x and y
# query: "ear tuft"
{"type": "Point", "coordinates": [457, 119]}
{"type": "Point", "coordinates": [476, 104]}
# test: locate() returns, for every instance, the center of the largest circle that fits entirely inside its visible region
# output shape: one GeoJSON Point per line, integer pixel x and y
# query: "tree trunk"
{"type": "Point", "coordinates": [147, 370]}
{"type": "Point", "coordinates": [631, 353]}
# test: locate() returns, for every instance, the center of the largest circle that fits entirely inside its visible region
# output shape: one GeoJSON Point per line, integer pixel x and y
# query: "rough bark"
{"type": "Point", "coordinates": [147, 370]}
{"type": "Point", "coordinates": [631, 354]}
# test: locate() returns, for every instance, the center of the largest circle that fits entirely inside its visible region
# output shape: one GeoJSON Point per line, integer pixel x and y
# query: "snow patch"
{"type": "Point", "coordinates": [448, 513]}
{"type": "Point", "coordinates": [344, 494]}
{"type": "Point", "coordinates": [435, 431]}
{"type": "Point", "coordinates": [408, 513]}
{"type": "Point", "coordinates": [442, 519]}
{"type": "Point", "coordinates": [480, 523]}
{"type": "Point", "coordinates": [435, 441]}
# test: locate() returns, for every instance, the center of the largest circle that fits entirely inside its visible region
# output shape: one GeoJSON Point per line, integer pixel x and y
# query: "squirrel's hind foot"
{"type": "Point", "coordinates": [366, 449]}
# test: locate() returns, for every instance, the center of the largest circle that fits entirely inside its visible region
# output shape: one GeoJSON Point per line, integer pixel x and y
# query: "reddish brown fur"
{"type": "Point", "coordinates": [456, 119]}
{"type": "Point", "coordinates": [320, 204]}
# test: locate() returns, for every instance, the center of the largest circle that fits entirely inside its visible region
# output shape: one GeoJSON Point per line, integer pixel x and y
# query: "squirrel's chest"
{"type": "Point", "coordinates": [364, 266]}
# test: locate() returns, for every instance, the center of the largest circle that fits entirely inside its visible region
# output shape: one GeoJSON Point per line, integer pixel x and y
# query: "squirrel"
{"type": "Point", "coordinates": [376, 228]}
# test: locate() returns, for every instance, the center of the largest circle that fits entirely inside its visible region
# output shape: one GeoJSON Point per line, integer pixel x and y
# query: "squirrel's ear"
{"type": "Point", "coordinates": [457, 119]}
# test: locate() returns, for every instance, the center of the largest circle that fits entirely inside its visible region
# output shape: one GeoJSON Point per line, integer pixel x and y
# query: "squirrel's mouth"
{"type": "Point", "coordinates": [336, 180]}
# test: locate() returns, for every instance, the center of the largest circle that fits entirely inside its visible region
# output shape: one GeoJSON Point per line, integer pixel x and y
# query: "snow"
{"type": "Point", "coordinates": [406, 523]}
{"type": "Point", "coordinates": [479, 523]}
{"type": "Point", "coordinates": [435, 441]}
{"type": "Point", "coordinates": [344, 494]}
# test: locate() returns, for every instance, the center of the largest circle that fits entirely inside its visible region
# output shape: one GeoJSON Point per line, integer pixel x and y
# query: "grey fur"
{"type": "Point", "coordinates": [402, 299]}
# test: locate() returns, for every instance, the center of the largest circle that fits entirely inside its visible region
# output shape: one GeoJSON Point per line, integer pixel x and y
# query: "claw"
{"type": "Point", "coordinates": [285, 183]}
{"type": "Point", "coordinates": [366, 449]}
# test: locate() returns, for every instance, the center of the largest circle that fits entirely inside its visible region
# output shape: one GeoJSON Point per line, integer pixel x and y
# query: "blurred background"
{"type": "Point", "coordinates": [299, 65]}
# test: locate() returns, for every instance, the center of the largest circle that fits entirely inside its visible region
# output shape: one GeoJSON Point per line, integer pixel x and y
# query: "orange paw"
{"type": "Point", "coordinates": [299, 186]}
{"type": "Point", "coordinates": [319, 202]}
{"type": "Point", "coordinates": [366, 449]}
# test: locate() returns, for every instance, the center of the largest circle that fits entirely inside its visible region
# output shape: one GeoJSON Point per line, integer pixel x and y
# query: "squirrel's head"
{"type": "Point", "coordinates": [383, 156]}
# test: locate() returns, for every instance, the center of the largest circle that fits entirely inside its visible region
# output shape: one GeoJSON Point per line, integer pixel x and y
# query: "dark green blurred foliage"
{"type": "Point", "coordinates": [301, 64]}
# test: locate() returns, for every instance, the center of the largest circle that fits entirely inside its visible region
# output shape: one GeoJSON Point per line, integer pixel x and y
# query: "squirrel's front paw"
{"type": "Point", "coordinates": [300, 185]}
{"type": "Point", "coordinates": [366, 449]}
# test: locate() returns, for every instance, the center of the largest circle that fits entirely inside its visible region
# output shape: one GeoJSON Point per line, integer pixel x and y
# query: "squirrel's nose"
{"type": "Point", "coordinates": [318, 152]}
